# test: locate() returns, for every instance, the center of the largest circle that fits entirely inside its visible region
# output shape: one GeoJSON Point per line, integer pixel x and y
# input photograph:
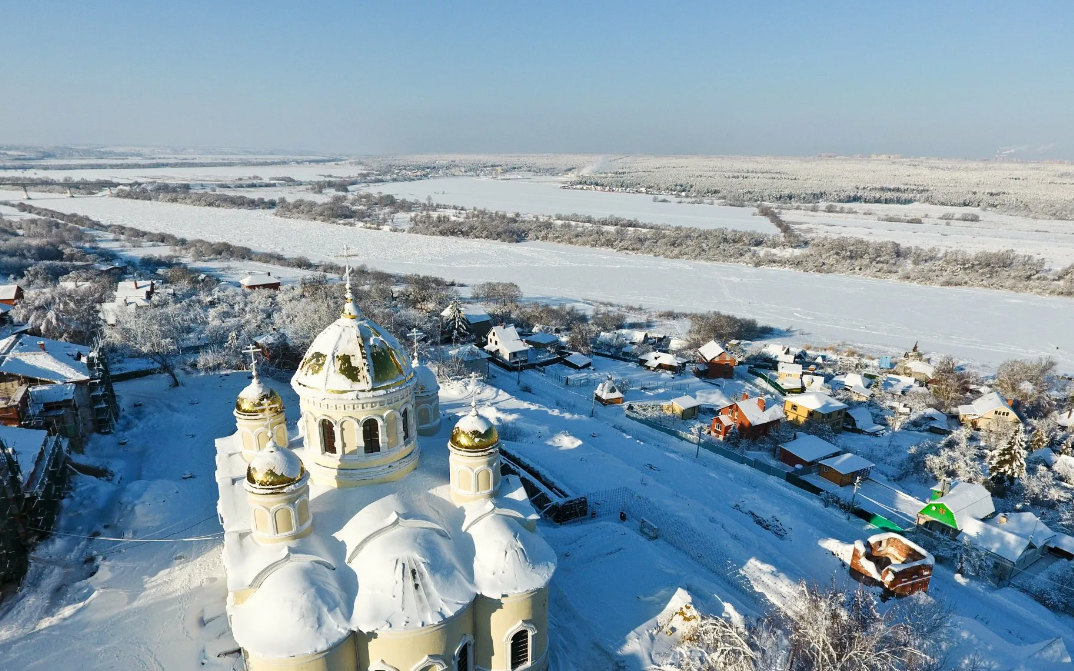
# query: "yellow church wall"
{"type": "Point", "coordinates": [342, 657]}
{"type": "Point", "coordinates": [288, 511]}
{"type": "Point", "coordinates": [474, 476]}
{"type": "Point", "coordinates": [404, 650]}
{"type": "Point", "coordinates": [497, 618]}
{"type": "Point", "coordinates": [254, 434]}
{"type": "Point", "coordinates": [346, 418]}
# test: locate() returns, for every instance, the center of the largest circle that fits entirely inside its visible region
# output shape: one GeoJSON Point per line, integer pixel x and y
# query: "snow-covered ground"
{"type": "Point", "coordinates": [981, 326]}
{"type": "Point", "coordinates": [159, 605]}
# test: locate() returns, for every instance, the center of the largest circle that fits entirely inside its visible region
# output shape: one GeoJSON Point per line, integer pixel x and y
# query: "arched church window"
{"type": "Point", "coordinates": [462, 658]}
{"type": "Point", "coordinates": [406, 423]}
{"type": "Point", "coordinates": [520, 649]}
{"type": "Point", "coordinates": [371, 436]}
{"type": "Point", "coordinates": [328, 436]}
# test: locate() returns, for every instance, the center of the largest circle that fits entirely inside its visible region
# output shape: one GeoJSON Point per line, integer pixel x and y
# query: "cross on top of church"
{"type": "Point", "coordinates": [473, 392]}
{"type": "Point", "coordinates": [414, 334]}
{"type": "Point", "coordinates": [253, 351]}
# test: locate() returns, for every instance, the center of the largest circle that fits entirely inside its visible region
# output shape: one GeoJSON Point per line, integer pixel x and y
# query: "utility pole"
{"type": "Point", "coordinates": [857, 484]}
{"type": "Point", "coordinates": [697, 430]}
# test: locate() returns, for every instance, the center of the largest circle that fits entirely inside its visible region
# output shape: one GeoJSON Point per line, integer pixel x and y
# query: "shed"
{"type": "Point", "coordinates": [260, 281]}
{"type": "Point", "coordinates": [845, 469]}
{"type": "Point", "coordinates": [860, 420]}
{"type": "Point", "coordinates": [806, 450]}
{"type": "Point", "coordinates": [607, 393]}
{"type": "Point", "coordinates": [577, 361]}
{"type": "Point", "coordinates": [683, 407]}
{"type": "Point", "coordinates": [10, 294]}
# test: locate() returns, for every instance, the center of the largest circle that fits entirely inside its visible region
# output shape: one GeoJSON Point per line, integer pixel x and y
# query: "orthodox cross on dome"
{"type": "Point", "coordinates": [473, 393]}
{"type": "Point", "coordinates": [414, 334]}
{"type": "Point", "coordinates": [253, 351]}
{"type": "Point", "coordinates": [350, 310]}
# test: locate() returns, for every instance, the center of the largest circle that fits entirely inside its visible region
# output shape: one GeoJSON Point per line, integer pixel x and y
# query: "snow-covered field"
{"type": "Point", "coordinates": [981, 326]}
{"type": "Point", "coordinates": [1052, 240]}
{"type": "Point", "coordinates": [297, 170]}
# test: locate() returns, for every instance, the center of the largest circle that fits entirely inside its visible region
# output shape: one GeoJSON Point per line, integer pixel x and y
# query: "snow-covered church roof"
{"type": "Point", "coordinates": [351, 356]}
{"type": "Point", "coordinates": [390, 557]}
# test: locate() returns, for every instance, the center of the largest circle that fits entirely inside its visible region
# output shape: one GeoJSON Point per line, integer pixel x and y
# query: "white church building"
{"type": "Point", "coordinates": [347, 548]}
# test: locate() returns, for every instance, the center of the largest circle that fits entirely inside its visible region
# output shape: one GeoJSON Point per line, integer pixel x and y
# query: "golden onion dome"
{"type": "Point", "coordinates": [474, 433]}
{"type": "Point", "coordinates": [259, 399]}
{"type": "Point", "coordinates": [274, 468]}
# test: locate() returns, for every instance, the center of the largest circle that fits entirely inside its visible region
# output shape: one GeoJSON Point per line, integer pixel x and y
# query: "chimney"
{"type": "Point", "coordinates": [760, 402]}
{"type": "Point", "coordinates": [41, 344]}
{"type": "Point", "coordinates": [745, 395]}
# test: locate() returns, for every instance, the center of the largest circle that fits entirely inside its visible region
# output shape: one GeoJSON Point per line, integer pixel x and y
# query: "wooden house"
{"type": "Point", "coordinates": [789, 376]}
{"type": "Point", "coordinates": [505, 344]}
{"type": "Point", "coordinates": [748, 417]}
{"type": "Point", "coordinates": [714, 361]}
{"type": "Point", "coordinates": [951, 508]}
{"type": "Point", "coordinates": [543, 346]}
{"type": "Point", "coordinates": [988, 410]}
{"type": "Point", "coordinates": [844, 469]}
{"type": "Point", "coordinates": [683, 407]}
{"type": "Point", "coordinates": [69, 389]}
{"type": "Point", "coordinates": [1014, 541]}
{"type": "Point", "coordinates": [10, 294]}
{"type": "Point", "coordinates": [816, 407]}
{"type": "Point", "coordinates": [607, 393]}
{"type": "Point", "coordinates": [260, 281]}
{"type": "Point", "coordinates": [897, 564]}
{"type": "Point", "coordinates": [805, 451]}
{"type": "Point", "coordinates": [662, 361]}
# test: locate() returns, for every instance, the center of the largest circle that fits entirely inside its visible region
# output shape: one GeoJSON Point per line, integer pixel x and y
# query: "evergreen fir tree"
{"type": "Point", "coordinates": [455, 324]}
{"type": "Point", "coordinates": [1007, 462]}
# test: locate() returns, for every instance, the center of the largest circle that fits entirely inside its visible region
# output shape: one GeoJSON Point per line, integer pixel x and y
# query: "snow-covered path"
{"type": "Point", "coordinates": [977, 325]}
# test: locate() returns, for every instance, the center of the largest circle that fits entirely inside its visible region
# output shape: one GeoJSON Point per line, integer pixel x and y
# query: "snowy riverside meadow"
{"type": "Point", "coordinates": [537, 337]}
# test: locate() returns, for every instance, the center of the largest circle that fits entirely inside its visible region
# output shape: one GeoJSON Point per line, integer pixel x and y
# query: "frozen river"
{"type": "Point", "coordinates": [974, 324]}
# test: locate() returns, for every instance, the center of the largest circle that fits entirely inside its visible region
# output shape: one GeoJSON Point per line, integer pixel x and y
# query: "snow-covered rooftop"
{"type": "Point", "coordinates": [847, 463]}
{"type": "Point", "coordinates": [810, 448]}
{"type": "Point", "coordinates": [966, 501]}
{"type": "Point", "coordinates": [43, 359]}
{"type": "Point", "coordinates": [985, 404]}
{"type": "Point", "coordinates": [1007, 535]}
{"type": "Point", "coordinates": [816, 401]}
{"type": "Point", "coordinates": [259, 280]}
{"type": "Point", "coordinates": [8, 292]}
{"type": "Point", "coordinates": [710, 350]}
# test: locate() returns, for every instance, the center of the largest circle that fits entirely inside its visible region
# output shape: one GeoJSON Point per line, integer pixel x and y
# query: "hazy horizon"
{"type": "Point", "coordinates": [965, 80]}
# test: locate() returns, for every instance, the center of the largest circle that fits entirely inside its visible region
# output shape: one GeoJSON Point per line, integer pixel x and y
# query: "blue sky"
{"type": "Point", "coordinates": [965, 79]}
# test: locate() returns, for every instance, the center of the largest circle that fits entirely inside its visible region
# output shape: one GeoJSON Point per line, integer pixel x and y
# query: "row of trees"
{"type": "Point", "coordinates": [824, 254]}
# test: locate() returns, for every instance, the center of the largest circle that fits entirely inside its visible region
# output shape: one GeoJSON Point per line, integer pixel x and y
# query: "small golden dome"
{"type": "Point", "coordinates": [257, 399]}
{"type": "Point", "coordinates": [474, 433]}
{"type": "Point", "coordinates": [274, 468]}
